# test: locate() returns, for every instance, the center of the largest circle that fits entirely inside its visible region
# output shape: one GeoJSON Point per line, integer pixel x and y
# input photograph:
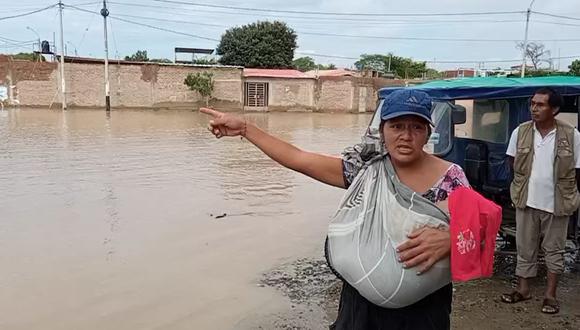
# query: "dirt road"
{"type": "Point", "coordinates": [313, 292]}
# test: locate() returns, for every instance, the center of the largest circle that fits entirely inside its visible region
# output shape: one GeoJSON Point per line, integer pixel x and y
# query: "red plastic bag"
{"type": "Point", "coordinates": [474, 226]}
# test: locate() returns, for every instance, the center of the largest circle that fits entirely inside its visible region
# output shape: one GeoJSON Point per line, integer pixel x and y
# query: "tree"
{"type": "Point", "coordinates": [160, 60]}
{"type": "Point", "coordinates": [29, 57]}
{"type": "Point", "coordinates": [205, 61]}
{"type": "Point", "coordinates": [139, 56]}
{"type": "Point", "coordinates": [536, 52]}
{"type": "Point", "coordinates": [402, 66]}
{"type": "Point", "coordinates": [258, 45]}
{"type": "Point", "coordinates": [304, 64]}
{"type": "Point", "coordinates": [575, 68]}
{"type": "Point", "coordinates": [202, 83]}
{"type": "Point", "coordinates": [433, 74]}
{"type": "Point", "coordinates": [307, 63]}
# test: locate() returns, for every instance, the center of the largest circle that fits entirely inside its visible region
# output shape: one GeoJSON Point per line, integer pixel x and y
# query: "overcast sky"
{"type": "Point", "coordinates": [83, 31]}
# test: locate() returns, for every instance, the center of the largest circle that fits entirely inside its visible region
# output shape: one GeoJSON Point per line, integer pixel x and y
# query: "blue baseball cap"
{"type": "Point", "coordinates": [405, 102]}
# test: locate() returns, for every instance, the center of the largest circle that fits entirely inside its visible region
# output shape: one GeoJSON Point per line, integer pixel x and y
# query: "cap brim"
{"type": "Point", "coordinates": [407, 113]}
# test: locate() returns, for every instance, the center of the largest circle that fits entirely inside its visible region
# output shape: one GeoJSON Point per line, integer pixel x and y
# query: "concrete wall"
{"type": "Point", "coordinates": [350, 94]}
{"type": "Point", "coordinates": [159, 85]}
{"type": "Point", "coordinates": [322, 94]}
{"type": "Point", "coordinates": [131, 85]}
{"type": "Point", "coordinates": [288, 94]}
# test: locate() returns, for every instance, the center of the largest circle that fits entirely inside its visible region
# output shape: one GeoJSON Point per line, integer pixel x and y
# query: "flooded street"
{"type": "Point", "coordinates": [143, 220]}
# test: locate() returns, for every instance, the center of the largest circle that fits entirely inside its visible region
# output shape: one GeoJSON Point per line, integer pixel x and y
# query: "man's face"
{"type": "Point", "coordinates": [540, 108]}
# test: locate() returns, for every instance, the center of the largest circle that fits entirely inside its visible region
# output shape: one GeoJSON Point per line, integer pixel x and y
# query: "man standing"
{"type": "Point", "coordinates": [544, 153]}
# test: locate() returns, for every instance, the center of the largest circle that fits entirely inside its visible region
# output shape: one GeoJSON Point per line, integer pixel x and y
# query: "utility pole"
{"type": "Point", "coordinates": [105, 13]}
{"type": "Point", "coordinates": [62, 83]}
{"type": "Point", "coordinates": [525, 48]}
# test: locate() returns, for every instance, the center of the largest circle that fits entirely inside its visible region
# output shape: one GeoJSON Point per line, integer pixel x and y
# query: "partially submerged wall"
{"type": "Point", "coordinates": [151, 85]}
{"type": "Point", "coordinates": [131, 84]}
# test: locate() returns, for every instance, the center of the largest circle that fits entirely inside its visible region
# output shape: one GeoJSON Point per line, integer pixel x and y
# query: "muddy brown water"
{"type": "Point", "coordinates": [117, 222]}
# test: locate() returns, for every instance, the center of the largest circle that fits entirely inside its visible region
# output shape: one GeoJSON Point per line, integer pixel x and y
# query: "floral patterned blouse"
{"type": "Point", "coordinates": [451, 180]}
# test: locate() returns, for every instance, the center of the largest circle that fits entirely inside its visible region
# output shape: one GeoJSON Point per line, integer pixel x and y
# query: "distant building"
{"type": "Point", "coordinates": [518, 68]}
{"type": "Point", "coordinates": [459, 73]}
{"type": "Point", "coordinates": [332, 73]}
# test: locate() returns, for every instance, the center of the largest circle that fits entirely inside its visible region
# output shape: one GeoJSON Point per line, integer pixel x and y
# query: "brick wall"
{"type": "Point", "coordinates": [157, 85]}
{"type": "Point", "coordinates": [131, 85]}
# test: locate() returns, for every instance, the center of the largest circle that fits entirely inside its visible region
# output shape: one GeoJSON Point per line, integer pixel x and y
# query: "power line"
{"type": "Point", "coordinates": [322, 19]}
{"type": "Point", "coordinates": [336, 13]}
{"type": "Point", "coordinates": [318, 19]}
{"type": "Point", "coordinates": [89, 25]}
{"type": "Point", "coordinates": [407, 38]}
{"type": "Point", "coordinates": [146, 25]}
{"type": "Point", "coordinates": [442, 62]}
{"type": "Point", "coordinates": [555, 23]}
{"type": "Point", "coordinates": [8, 40]}
{"type": "Point", "coordinates": [556, 16]}
{"type": "Point", "coordinates": [27, 13]}
{"type": "Point", "coordinates": [114, 39]}
{"type": "Point", "coordinates": [173, 21]}
{"type": "Point", "coordinates": [352, 36]}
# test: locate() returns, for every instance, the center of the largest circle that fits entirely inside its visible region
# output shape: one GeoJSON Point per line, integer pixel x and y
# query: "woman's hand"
{"type": "Point", "coordinates": [224, 124]}
{"type": "Point", "coordinates": [424, 248]}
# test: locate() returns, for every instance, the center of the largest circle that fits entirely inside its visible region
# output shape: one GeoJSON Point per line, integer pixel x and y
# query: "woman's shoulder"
{"type": "Point", "coordinates": [455, 175]}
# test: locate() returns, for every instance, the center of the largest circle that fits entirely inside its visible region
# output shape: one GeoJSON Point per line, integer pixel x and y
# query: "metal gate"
{"type": "Point", "coordinates": [256, 94]}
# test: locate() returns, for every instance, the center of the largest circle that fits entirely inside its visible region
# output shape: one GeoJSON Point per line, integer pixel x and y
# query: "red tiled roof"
{"type": "Point", "coordinates": [274, 73]}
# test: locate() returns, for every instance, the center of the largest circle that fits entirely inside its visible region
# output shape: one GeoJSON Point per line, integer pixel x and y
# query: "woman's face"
{"type": "Point", "coordinates": [405, 137]}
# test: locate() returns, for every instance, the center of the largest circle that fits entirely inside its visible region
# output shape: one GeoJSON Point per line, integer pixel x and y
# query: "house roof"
{"type": "Point", "coordinates": [331, 73]}
{"type": "Point", "coordinates": [274, 73]}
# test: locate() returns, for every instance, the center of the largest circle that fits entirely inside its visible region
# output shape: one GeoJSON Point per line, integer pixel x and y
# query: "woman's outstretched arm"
{"type": "Point", "coordinates": [326, 169]}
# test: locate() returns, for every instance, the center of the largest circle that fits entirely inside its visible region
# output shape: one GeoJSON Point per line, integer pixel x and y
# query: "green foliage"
{"type": "Point", "coordinates": [575, 68]}
{"type": "Point", "coordinates": [540, 73]}
{"type": "Point", "coordinates": [205, 61]}
{"type": "Point", "coordinates": [433, 74]}
{"type": "Point", "coordinates": [307, 63]}
{"type": "Point", "coordinates": [258, 45]}
{"type": "Point", "coordinates": [160, 60]}
{"type": "Point", "coordinates": [403, 67]}
{"type": "Point", "coordinates": [29, 57]}
{"type": "Point", "coordinates": [202, 83]}
{"type": "Point", "coordinates": [304, 64]}
{"type": "Point", "coordinates": [139, 56]}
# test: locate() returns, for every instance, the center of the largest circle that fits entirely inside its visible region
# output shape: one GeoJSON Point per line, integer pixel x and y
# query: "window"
{"type": "Point", "coordinates": [440, 140]}
{"type": "Point", "coordinates": [256, 94]}
{"type": "Point", "coordinates": [487, 120]}
{"type": "Point", "coordinates": [491, 120]}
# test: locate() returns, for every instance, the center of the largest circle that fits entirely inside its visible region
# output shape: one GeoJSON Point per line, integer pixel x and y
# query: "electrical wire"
{"type": "Point", "coordinates": [336, 13]}
{"type": "Point", "coordinates": [28, 13]}
{"type": "Point", "coordinates": [146, 25]}
{"type": "Point", "coordinates": [335, 34]}
{"type": "Point", "coordinates": [442, 62]}
{"type": "Point", "coordinates": [556, 16]}
{"type": "Point", "coordinates": [358, 22]}
{"type": "Point", "coordinates": [319, 20]}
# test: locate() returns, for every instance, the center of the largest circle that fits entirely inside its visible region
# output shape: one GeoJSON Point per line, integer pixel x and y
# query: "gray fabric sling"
{"type": "Point", "coordinates": [374, 217]}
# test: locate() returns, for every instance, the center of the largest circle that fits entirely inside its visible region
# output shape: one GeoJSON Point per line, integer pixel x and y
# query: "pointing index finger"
{"type": "Point", "coordinates": [211, 112]}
